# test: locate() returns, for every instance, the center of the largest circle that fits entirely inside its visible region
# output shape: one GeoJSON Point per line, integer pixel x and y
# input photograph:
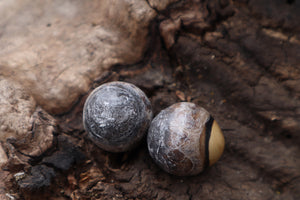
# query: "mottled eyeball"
{"type": "Point", "coordinates": [116, 116]}
{"type": "Point", "coordinates": [184, 139]}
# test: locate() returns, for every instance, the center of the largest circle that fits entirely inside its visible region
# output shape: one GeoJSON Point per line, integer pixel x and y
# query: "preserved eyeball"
{"type": "Point", "coordinates": [184, 139]}
{"type": "Point", "coordinates": [116, 116]}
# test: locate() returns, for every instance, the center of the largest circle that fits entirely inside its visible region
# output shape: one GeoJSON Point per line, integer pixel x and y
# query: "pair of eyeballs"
{"type": "Point", "coordinates": [182, 139]}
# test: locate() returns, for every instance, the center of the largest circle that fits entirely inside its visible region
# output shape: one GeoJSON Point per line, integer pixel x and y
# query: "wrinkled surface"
{"type": "Point", "coordinates": [16, 109]}
{"type": "Point", "coordinates": [26, 131]}
{"type": "Point", "coordinates": [239, 59]}
{"type": "Point", "coordinates": [58, 48]}
{"type": "Point", "coordinates": [24, 127]}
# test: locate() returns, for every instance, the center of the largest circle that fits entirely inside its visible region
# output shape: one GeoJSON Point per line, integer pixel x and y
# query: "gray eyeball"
{"type": "Point", "coordinates": [184, 139]}
{"type": "Point", "coordinates": [116, 116]}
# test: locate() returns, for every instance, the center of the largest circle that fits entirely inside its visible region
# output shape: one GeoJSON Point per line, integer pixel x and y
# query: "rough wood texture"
{"type": "Point", "coordinates": [239, 59]}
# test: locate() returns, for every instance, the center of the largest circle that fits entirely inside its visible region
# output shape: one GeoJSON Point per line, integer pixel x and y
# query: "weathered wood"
{"type": "Point", "coordinates": [239, 59]}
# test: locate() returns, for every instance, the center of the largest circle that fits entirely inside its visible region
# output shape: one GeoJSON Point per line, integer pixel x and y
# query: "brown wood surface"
{"type": "Point", "coordinates": [239, 59]}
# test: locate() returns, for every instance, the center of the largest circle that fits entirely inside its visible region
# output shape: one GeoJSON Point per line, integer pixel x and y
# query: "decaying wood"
{"type": "Point", "coordinates": [239, 59]}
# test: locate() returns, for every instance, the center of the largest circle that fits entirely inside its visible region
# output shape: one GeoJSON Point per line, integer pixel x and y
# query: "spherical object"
{"type": "Point", "coordinates": [116, 116]}
{"type": "Point", "coordinates": [184, 139]}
